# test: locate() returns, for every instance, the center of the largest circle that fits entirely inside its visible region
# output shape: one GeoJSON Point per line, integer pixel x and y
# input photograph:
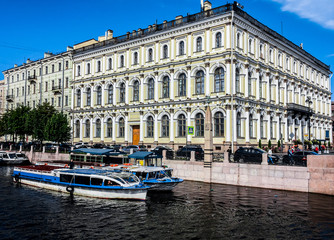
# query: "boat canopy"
{"type": "Point", "coordinates": [96, 151]}
{"type": "Point", "coordinates": [144, 155]}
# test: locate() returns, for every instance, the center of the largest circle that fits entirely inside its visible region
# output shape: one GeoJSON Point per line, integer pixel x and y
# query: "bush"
{"type": "Point", "coordinates": [269, 144]}
{"type": "Point", "coordinates": [260, 145]}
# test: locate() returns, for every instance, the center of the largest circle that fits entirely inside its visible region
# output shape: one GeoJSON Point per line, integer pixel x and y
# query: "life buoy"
{"type": "Point", "coordinates": [113, 165]}
{"type": "Point", "coordinates": [127, 164]}
{"type": "Point", "coordinates": [70, 189]}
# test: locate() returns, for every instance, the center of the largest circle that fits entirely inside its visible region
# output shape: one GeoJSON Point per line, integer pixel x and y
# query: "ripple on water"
{"type": "Point", "coordinates": [192, 211]}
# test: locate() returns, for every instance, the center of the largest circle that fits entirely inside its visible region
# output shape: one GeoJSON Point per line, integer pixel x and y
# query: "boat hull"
{"type": "Point", "coordinates": [161, 186]}
{"type": "Point", "coordinates": [135, 194]}
{"type": "Point", "coordinates": [14, 162]}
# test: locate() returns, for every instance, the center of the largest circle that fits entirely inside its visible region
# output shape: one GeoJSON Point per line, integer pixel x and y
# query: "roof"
{"type": "Point", "coordinates": [144, 155]}
{"type": "Point", "coordinates": [95, 151]}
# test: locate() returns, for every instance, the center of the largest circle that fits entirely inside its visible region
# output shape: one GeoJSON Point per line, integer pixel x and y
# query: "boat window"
{"type": "Point", "coordinates": [12, 155]}
{"type": "Point", "coordinates": [151, 175]}
{"type": "Point", "coordinates": [110, 183]}
{"type": "Point", "coordinates": [141, 175]}
{"type": "Point", "coordinates": [82, 180]}
{"type": "Point", "coordinates": [66, 178]}
{"type": "Point", "coordinates": [96, 181]}
{"type": "Point", "coordinates": [168, 173]}
{"type": "Point", "coordinates": [20, 155]}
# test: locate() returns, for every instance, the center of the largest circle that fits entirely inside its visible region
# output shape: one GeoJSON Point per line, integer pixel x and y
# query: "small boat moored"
{"type": "Point", "coordinates": [97, 183]}
{"type": "Point", "coordinates": [13, 158]}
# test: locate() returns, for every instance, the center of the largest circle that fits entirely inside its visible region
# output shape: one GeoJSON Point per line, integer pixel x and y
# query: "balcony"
{"type": "Point", "coordinates": [56, 89]}
{"type": "Point", "coordinates": [32, 79]}
{"type": "Point", "coordinates": [297, 109]}
{"type": "Point", "coordinates": [10, 98]}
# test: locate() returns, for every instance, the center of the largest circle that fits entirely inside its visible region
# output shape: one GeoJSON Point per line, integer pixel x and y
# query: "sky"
{"type": "Point", "coordinates": [30, 28]}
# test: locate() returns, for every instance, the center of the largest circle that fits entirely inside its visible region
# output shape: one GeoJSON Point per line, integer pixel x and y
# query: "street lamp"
{"type": "Point", "coordinates": [309, 102]}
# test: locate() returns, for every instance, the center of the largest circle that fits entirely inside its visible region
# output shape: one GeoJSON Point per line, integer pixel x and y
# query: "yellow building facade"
{"type": "Point", "coordinates": [150, 85]}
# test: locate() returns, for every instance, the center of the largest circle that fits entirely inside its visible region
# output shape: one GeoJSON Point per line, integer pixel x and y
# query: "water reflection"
{"type": "Point", "coordinates": [192, 211]}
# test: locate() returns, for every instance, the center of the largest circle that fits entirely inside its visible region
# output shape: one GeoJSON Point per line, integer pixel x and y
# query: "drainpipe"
{"type": "Point", "coordinates": [25, 85]}
{"type": "Point", "coordinates": [232, 79]}
{"type": "Point", "coordinates": [41, 84]}
{"type": "Point", "coordinates": [62, 85]}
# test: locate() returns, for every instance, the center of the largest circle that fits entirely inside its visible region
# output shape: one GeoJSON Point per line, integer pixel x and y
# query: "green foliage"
{"type": "Point", "coordinates": [58, 129]}
{"type": "Point", "coordinates": [260, 145]}
{"type": "Point", "coordinates": [269, 144]}
{"type": "Point", "coordinates": [278, 143]}
{"type": "Point", "coordinates": [329, 144]}
{"type": "Point", "coordinates": [315, 142]}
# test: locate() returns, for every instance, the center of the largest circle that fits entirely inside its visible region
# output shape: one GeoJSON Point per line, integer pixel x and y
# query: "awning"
{"type": "Point", "coordinates": [144, 155]}
{"type": "Point", "coordinates": [96, 151]}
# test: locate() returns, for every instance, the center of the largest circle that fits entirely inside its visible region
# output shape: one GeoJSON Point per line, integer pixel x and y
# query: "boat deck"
{"type": "Point", "coordinates": [44, 168]}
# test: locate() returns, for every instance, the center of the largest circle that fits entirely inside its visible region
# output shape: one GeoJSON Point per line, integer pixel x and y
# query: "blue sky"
{"type": "Point", "coordinates": [30, 28]}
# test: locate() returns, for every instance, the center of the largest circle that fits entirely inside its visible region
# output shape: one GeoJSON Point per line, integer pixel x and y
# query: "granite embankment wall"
{"type": "Point", "coordinates": [317, 177]}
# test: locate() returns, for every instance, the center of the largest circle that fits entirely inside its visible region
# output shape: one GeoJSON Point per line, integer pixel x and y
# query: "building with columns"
{"type": "Point", "coordinates": [150, 85]}
{"type": "Point", "coordinates": [44, 80]}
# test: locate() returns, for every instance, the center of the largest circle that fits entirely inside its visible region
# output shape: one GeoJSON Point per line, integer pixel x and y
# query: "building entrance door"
{"type": "Point", "coordinates": [135, 134]}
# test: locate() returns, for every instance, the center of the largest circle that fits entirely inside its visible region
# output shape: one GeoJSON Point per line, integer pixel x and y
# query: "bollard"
{"type": "Point", "coordinates": [192, 156]}
{"type": "Point", "coordinates": [10, 147]}
{"type": "Point", "coordinates": [226, 158]}
{"type": "Point", "coordinates": [1, 146]}
{"type": "Point", "coordinates": [164, 155]}
{"type": "Point", "coordinates": [31, 149]}
{"type": "Point", "coordinates": [20, 149]}
{"type": "Point", "coordinates": [43, 149]}
{"type": "Point", "coordinates": [264, 159]}
{"type": "Point", "coordinates": [57, 150]}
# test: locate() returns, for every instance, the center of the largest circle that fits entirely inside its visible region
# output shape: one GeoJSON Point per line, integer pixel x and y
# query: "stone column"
{"type": "Point", "coordinates": [246, 81]}
{"type": "Point", "coordinates": [156, 88]}
{"type": "Point", "coordinates": [247, 128]}
{"type": "Point", "coordinates": [188, 124]}
{"type": "Point", "coordinates": [91, 130]}
{"type": "Point", "coordinates": [73, 99]}
{"type": "Point", "coordinates": [207, 79]}
{"type": "Point", "coordinates": [102, 129]}
{"type": "Point", "coordinates": [126, 91]}
{"type": "Point", "coordinates": [188, 82]}
{"type": "Point", "coordinates": [81, 97]}
{"type": "Point", "coordinates": [114, 101]}
{"type": "Point", "coordinates": [172, 55]}
{"type": "Point", "coordinates": [228, 117]}
{"type": "Point", "coordinates": [142, 88]}
{"type": "Point", "coordinates": [114, 129]}
{"type": "Point", "coordinates": [171, 89]}
{"type": "Point", "coordinates": [171, 127]}
{"type": "Point", "coordinates": [156, 134]}
{"type": "Point", "coordinates": [103, 95]}
{"type": "Point", "coordinates": [81, 130]}
{"type": "Point", "coordinates": [268, 127]}
{"type": "Point", "coordinates": [264, 159]}
{"type": "Point", "coordinates": [208, 145]}
{"type": "Point", "coordinates": [126, 129]}
{"type": "Point", "coordinates": [228, 77]}
{"type": "Point", "coordinates": [258, 125]}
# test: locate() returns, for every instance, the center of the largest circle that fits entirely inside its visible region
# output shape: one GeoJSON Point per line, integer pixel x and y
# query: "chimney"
{"type": "Point", "coordinates": [178, 19]}
{"type": "Point", "coordinates": [69, 48]}
{"type": "Point", "coordinates": [302, 46]}
{"type": "Point", "coordinates": [207, 6]}
{"type": "Point", "coordinates": [110, 34]}
{"type": "Point", "coordinates": [28, 60]}
{"type": "Point", "coordinates": [15, 65]}
{"type": "Point", "coordinates": [47, 54]}
{"type": "Point", "coordinates": [134, 33]}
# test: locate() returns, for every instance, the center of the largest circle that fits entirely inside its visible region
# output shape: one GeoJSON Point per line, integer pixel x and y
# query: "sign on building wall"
{"type": "Point", "coordinates": [191, 130]}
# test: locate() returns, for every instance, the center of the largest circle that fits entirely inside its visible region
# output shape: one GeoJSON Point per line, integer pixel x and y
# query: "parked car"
{"type": "Point", "coordinates": [65, 147]}
{"type": "Point", "coordinates": [135, 148]}
{"type": "Point", "coordinates": [251, 154]}
{"type": "Point", "coordinates": [298, 158]}
{"type": "Point", "coordinates": [50, 146]}
{"type": "Point", "coordinates": [81, 145]}
{"type": "Point", "coordinates": [185, 151]}
{"type": "Point", "coordinates": [158, 151]}
{"type": "Point", "coordinates": [98, 145]}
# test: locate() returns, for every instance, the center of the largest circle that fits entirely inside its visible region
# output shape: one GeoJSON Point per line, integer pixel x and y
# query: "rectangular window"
{"type": "Point", "coordinates": [52, 101]}
{"type": "Point", "coordinates": [66, 100]}
{"type": "Point", "coordinates": [66, 178]}
{"type": "Point", "coordinates": [59, 101]}
{"type": "Point", "coordinates": [66, 82]}
{"type": "Point", "coordinates": [82, 180]}
{"type": "Point", "coordinates": [46, 86]}
{"type": "Point", "coordinates": [22, 91]}
{"type": "Point", "coordinates": [66, 64]}
{"type": "Point", "coordinates": [96, 181]}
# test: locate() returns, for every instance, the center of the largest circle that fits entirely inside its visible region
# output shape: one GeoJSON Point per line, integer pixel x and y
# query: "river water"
{"type": "Point", "coordinates": [192, 211]}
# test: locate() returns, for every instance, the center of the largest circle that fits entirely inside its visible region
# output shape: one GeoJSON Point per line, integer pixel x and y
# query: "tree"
{"type": "Point", "coordinates": [278, 143]}
{"type": "Point", "coordinates": [269, 144]}
{"type": "Point", "coordinates": [260, 145]}
{"type": "Point", "coordinates": [38, 119]}
{"type": "Point", "coordinates": [58, 128]}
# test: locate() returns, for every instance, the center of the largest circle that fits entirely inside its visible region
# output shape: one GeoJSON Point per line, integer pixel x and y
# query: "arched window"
{"type": "Point", "coordinates": [238, 125]}
{"type": "Point", "coordinates": [78, 98]}
{"type": "Point", "coordinates": [238, 40]}
{"type": "Point", "coordinates": [77, 129]}
{"type": "Point", "coordinates": [89, 97]}
{"type": "Point", "coordinates": [98, 66]}
{"type": "Point", "coordinates": [219, 124]}
{"type": "Point", "coordinates": [110, 94]}
{"type": "Point", "coordinates": [250, 46]}
{"type": "Point", "coordinates": [181, 48]}
{"type": "Point", "coordinates": [260, 86]}
{"type": "Point", "coordinates": [181, 123]}
{"type": "Point", "coordinates": [279, 92]}
{"type": "Point", "coordinates": [271, 55]}
{"type": "Point", "coordinates": [150, 55]}
{"type": "Point", "coordinates": [121, 127]}
{"type": "Point", "coordinates": [87, 132]}
{"type": "Point", "coordinates": [121, 64]}
{"type": "Point", "coordinates": [165, 126]}
{"type": "Point", "coordinates": [199, 81]}
{"type": "Point", "coordinates": [122, 93]}
{"type": "Point", "coordinates": [199, 123]}
{"type": "Point", "coordinates": [261, 127]}
{"type": "Point", "coordinates": [261, 51]}
{"type": "Point", "coordinates": [78, 70]}
{"type": "Point", "coordinates": [150, 126]}
{"type": "Point", "coordinates": [150, 86]}
{"type": "Point", "coordinates": [135, 58]}
{"type": "Point", "coordinates": [182, 82]}
{"type": "Point", "coordinates": [109, 63]}
{"type": "Point", "coordinates": [98, 128]}
{"type": "Point", "coordinates": [165, 87]}
{"type": "Point", "coordinates": [279, 60]}
{"type": "Point", "coordinates": [165, 52]}
{"type": "Point", "coordinates": [237, 80]}
{"type": "Point", "coordinates": [98, 95]}
{"type": "Point", "coordinates": [249, 83]}
{"type": "Point", "coordinates": [88, 68]}
{"type": "Point", "coordinates": [251, 126]}
{"type": "Point", "coordinates": [218, 40]}
{"type": "Point", "coordinates": [219, 80]}
{"type": "Point", "coordinates": [199, 44]}
{"type": "Point", "coordinates": [136, 91]}
{"type": "Point", "coordinates": [109, 128]}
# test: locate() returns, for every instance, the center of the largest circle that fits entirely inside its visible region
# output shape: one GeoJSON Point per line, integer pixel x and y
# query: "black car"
{"type": "Point", "coordinates": [298, 158]}
{"type": "Point", "coordinates": [252, 155]}
{"type": "Point", "coordinates": [185, 151]}
{"type": "Point", "coordinates": [158, 151]}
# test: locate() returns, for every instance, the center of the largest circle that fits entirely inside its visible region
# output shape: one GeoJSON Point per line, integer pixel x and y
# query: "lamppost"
{"type": "Point", "coordinates": [309, 102]}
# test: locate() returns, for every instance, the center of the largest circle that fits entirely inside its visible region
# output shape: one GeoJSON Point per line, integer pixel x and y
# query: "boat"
{"type": "Point", "coordinates": [13, 158]}
{"type": "Point", "coordinates": [157, 178]}
{"type": "Point", "coordinates": [97, 183]}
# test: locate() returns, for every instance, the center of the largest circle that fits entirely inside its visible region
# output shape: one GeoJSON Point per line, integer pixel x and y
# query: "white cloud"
{"type": "Point", "coordinates": [320, 11]}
